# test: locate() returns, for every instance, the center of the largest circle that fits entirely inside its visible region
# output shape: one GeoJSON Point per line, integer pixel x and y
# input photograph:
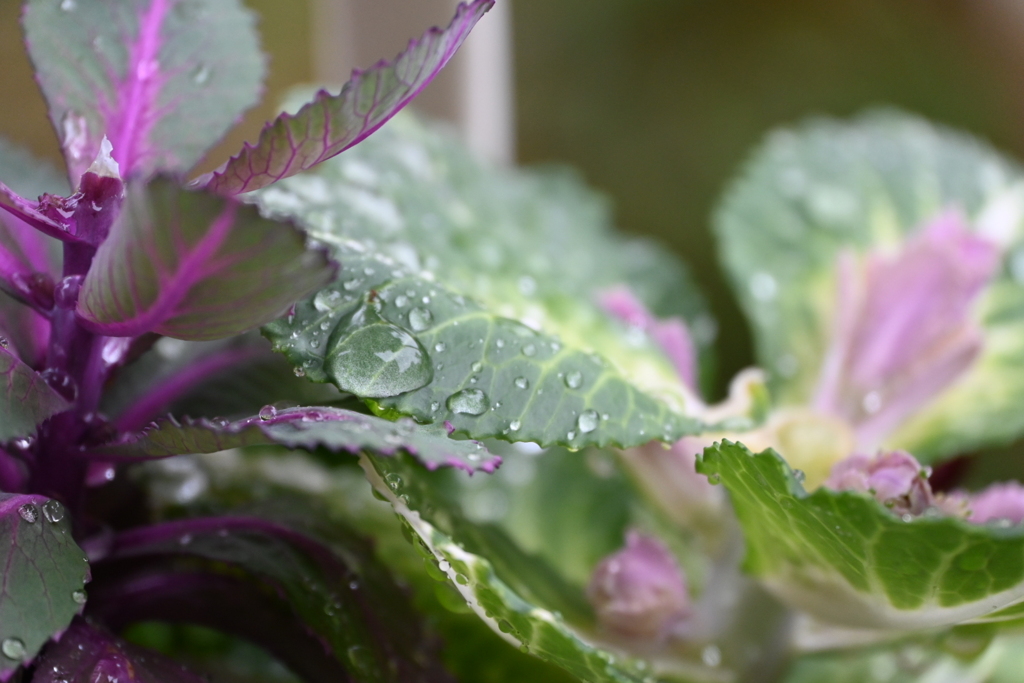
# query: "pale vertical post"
{"type": "Point", "coordinates": [475, 92]}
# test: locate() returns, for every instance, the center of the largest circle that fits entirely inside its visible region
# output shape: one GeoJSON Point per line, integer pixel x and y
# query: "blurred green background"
{"type": "Point", "coordinates": [658, 102]}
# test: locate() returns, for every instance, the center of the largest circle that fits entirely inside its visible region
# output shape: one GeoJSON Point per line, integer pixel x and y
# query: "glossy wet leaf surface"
{"type": "Point", "coordinates": [421, 350]}
{"type": "Point", "coordinates": [334, 429]}
{"type": "Point", "coordinates": [846, 559]}
{"type": "Point", "coordinates": [43, 576]}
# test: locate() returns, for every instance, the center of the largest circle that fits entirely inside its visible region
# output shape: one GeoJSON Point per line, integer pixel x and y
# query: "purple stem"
{"type": "Point", "coordinates": [165, 393]}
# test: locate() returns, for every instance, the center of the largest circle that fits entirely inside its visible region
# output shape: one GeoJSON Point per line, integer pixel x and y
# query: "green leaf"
{"type": "Point", "coordinates": [515, 594]}
{"type": "Point", "coordinates": [422, 351]}
{"type": "Point", "coordinates": [334, 429]}
{"type": "Point", "coordinates": [162, 79]}
{"type": "Point", "coordinates": [43, 577]}
{"type": "Point", "coordinates": [846, 559]}
{"type": "Point", "coordinates": [192, 265]}
{"type": "Point", "coordinates": [26, 400]}
{"type": "Point", "coordinates": [480, 266]}
{"type": "Point", "coordinates": [812, 191]}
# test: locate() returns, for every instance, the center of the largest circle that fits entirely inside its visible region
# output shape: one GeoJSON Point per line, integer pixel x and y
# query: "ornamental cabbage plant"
{"type": "Point", "coordinates": [253, 419]}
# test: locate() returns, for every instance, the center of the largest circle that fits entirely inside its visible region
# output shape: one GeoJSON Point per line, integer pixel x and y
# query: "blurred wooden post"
{"type": "Point", "coordinates": [474, 92]}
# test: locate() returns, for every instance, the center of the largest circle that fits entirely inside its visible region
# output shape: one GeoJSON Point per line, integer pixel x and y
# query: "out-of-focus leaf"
{"type": "Point", "coordinates": [811, 192]}
{"type": "Point", "coordinates": [335, 429]}
{"type": "Point", "coordinates": [517, 595]}
{"type": "Point", "coordinates": [162, 79]}
{"type": "Point", "coordinates": [192, 265]}
{"type": "Point", "coordinates": [87, 654]}
{"type": "Point", "coordinates": [336, 609]}
{"type": "Point", "coordinates": [25, 398]}
{"type": "Point", "coordinates": [846, 559]}
{"type": "Point", "coordinates": [330, 124]}
{"type": "Point", "coordinates": [43, 577]}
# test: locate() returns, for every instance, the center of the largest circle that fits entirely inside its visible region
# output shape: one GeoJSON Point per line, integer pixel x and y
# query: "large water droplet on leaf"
{"type": "Point", "coordinates": [326, 300]}
{"type": "Point", "coordinates": [377, 361]}
{"type": "Point", "coordinates": [574, 379]}
{"type": "Point", "coordinates": [79, 597]}
{"type": "Point", "coordinates": [468, 402]}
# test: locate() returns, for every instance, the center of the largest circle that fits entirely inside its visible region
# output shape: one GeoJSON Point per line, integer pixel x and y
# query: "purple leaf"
{"type": "Point", "coordinates": [335, 429]}
{"type": "Point", "coordinates": [90, 654]}
{"type": "Point", "coordinates": [41, 580]}
{"type": "Point", "coordinates": [904, 330]}
{"type": "Point", "coordinates": [671, 334]}
{"type": "Point", "coordinates": [316, 581]}
{"type": "Point", "coordinates": [162, 79]}
{"type": "Point", "coordinates": [25, 399]}
{"type": "Point", "coordinates": [330, 124]}
{"type": "Point", "coordinates": [192, 265]}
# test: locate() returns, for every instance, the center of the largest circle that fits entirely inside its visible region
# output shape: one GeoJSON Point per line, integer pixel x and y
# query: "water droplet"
{"type": "Point", "coordinates": [522, 383]}
{"type": "Point", "coordinates": [325, 325]}
{"type": "Point", "coordinates": [401, 301]}
{"type": "Point", "coordinates": [75, 131]}
{"type": "Point", "coordinates": [505, 627]}
{"type": "Point", "coordinates": [799, 475]}
{"type": "Point", "coordinates": [420, 319]}
{"type": "Point", "coordinates": [299, 372]}
{"type": "Point", "coordinates": [393, 481]}
{"type": "Point", "coordinates": [68, 6]}
{"type": "Point", "coordinates": [440, 347]}
{"type": "Point", "coordinates": [5, 343]}
{"type": "Point", "coordinates": [763, 286]}
{"type": "Point", "coordinates": [571, 435]}
{"type": "Point", "coordinates": [378, 361]}
{"type": "Point", "coordinates": [13, 648]}
{"type": "Point", "coordinates": [349, 285]}
{"type": "Point", "coordinates": [60, 382]}
{"type": "Point", "coordinates": [268, 413]}
{"type": "Point", "coordinates": [529, 350]}
{"type": "Point", "coordinates": [326, 300]}
{"type": "Point", "coordinates": [23, 443]}
{"type": "Point", "coordinates": [315, 344]}
{"type": "Point", "coordinates": [907, 517]}
{"type": "Point", "coordinates": [574, 379]}
{"type": "Point", "coordinates": [201, 74]}
{"type": "Point", "coordinates": [468, 402]}
{"type": "Point", "coordinates": [461, 580]}
{"type": "Point", "coordinates": [29, 513]}
{"type": "Point", "coordinates": [872, 402]}
{"type": "Point", "coordinates": [185, 539]}
{"type": "Point", "coordinates": [444, 565]}
{"type": "Point", "coordinates": [514, 425]}
{"type": "Point", "coordinates": [434, 406]}
{"type": "Point", "coordinates": [477, 366]}
{"type": "Point", "coordinates": [587, 421]}
{"type": "Point", "coordinates": [714, 479]}
{"type": "Point", "coordinates": [711, 656]}
{"type": "Point", "coordinates": [53, 511]}
{"type": "Point", "coordinates": [500, 343]}
{"type": "Point", "coordinates": [80, 597]}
